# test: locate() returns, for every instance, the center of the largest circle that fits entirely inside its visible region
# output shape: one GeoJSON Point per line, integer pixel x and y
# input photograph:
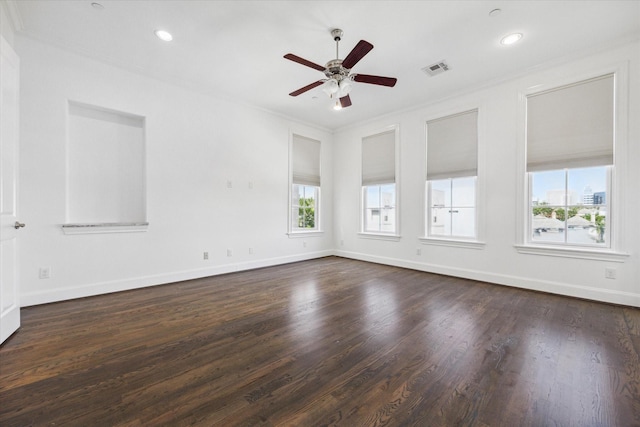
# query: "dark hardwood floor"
{"type": "Point", "coordinates": [323, 342]}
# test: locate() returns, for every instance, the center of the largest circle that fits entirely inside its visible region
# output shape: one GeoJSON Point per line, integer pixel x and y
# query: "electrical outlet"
{"type": "Point", "coordinates": [229, 252]}
{"type": "Point", "coordinates": [205, 255]}
{"type": "Point", "coordinates": [229, 184]}
{"type": "Point", "coordinates": [418, 251]}
{"type": "Point", "coordinates": [45, 273]}
{"type": "Point", "coordinates": [610, 273]}
{"type": "Point", "coordinates": [250, 250]}
{"type": "Point", "coordinates": [341, 242]}
{"type": "Point", "coordinates": [304, 243]}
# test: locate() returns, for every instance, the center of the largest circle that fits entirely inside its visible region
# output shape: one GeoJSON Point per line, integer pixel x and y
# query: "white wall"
{"type": "Point", "coordinates": [195, 144]}
{"type": "Point", "coordinates": [501, 166]}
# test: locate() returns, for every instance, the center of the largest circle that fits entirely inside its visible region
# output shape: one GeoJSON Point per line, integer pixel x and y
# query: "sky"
{"type": "Point", "coordinates": [595, 177]}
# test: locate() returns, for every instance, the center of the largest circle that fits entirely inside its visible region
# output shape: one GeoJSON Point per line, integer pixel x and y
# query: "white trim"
{"type": "Point", "coordinates": [100, 288]}
{"type": "Point", "coordinates": [380, 236]}
{"type": "Point", "coordinates": [615, 200]}
{"type": "Point", "coordinates": [572, 252]}
{"type": "Point", "coordinates": [480, 106]}
{"type": "Point", "coordinates": [396, 128]}
{"type": "Point", "coordinates": [459, 243]}
{"type": "Point", "coordinates": [99, 228]}
{"type": "Point", "coordinates": [318, 208]}
{"type": "Point", "coordinates": [299, 234]}
{"type": "Point", "coordinates": [576, 291]}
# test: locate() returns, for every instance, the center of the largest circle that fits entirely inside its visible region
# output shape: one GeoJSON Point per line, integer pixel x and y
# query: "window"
{"type": "Point", "coordinates": [305, 186]}
{"type": "Point", "coordinates": [303, 207]}
{"type": "Point", "coordinates": [452, 146]}
{"type": "Point", "coordinates": [566, 208]}
{"type": "Point", "coordinates": [380, 208]}
{"type": "Point", "coordinates": [569, 164]}
{"type": "Point", "coordinates": [379, 183]}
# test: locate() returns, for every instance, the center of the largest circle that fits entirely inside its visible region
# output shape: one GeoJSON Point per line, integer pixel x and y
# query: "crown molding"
{"type": "Point", "coordinates": [14, 15]}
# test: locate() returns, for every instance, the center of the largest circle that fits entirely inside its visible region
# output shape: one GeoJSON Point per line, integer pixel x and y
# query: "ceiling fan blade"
{"type": "Point", "coordinates": [375, 80]}
{"type": "Point", "coordinates": [345, 101]}
{"type": "Point", "coordinates": [306, 88]}
{"type": "Point", "coordinates": [362, 48]}
{"type": "Point", "coordinates": [294, 58]}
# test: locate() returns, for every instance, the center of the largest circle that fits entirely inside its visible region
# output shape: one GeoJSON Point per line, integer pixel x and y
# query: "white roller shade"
{"type": "Point", "coordinates": [306, 161]}
{"type": "Point", "coordinates": [379, 158]}
{"type": "Point", "coordinates": [452, 146]}
{"type": "Point", "coordinates": [571, 126]}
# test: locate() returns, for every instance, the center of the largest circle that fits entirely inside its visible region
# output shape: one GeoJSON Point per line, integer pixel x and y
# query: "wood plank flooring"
{"type": "Point", "coordinates": [327, 342]}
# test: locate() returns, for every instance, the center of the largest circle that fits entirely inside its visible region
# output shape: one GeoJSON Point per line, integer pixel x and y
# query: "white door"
{"type": "Point", "coordinates": [9, 90]}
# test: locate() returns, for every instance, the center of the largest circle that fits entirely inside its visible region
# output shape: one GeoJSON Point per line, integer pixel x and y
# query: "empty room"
{"type": "Point", "coordinates": [319, 213]}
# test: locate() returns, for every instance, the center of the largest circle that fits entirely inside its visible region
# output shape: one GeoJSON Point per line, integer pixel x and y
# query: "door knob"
{"type": "Point", "coordinates": [18, 225]}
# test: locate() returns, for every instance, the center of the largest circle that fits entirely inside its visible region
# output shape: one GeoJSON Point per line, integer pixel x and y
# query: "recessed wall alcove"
{"type": "Point", "coordinates": [105, 170]}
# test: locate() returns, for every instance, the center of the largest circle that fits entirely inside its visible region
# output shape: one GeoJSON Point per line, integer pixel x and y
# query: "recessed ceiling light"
{"type": "Point", "coordinates": [96, 5]}
{"type": "Point", "coordinates": [511, 38]}
{"type": "Point", "coordinates": [164, 35]}
{"type": "Point", "coordinates": [495, 12]}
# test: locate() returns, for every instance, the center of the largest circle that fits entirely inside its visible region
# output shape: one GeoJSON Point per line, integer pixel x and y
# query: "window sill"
{"type": "Point", "coordinates": [598, 255]}
{"type": "Point", "coordinates": [380, 236]}
{"type": "Point", "coordinates": [105, 227]}
{"type": "Point", "coordinates": [457, 243]}
{"type": "Point", "coordinates": [300, 234]}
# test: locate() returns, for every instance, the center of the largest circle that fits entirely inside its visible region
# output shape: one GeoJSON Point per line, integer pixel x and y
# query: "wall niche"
{"type": "Point", "coordinates": [105, 170]}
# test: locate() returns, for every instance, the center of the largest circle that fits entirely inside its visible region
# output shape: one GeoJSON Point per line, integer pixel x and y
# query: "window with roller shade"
{"type": "Point", "coordinates": [452, 158]}
{"type": "Point", "coordinates": [305, 185]}
{"type": "Point", "coordinates": [570, 158]}
{"type": "Point", "coordinates": [379, 183]}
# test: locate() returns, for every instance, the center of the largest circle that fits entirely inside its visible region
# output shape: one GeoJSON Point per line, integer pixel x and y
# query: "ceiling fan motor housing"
{"type": "Point", "coordinates": [335, 70]}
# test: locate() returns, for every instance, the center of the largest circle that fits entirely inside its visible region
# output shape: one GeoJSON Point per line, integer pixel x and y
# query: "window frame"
{"type": "Point", "coordinates": [294, 206]}
{"type": "Point", "coordinates": [477, 242]}
{"type": "Point", "coordinates": [451, 206]}
{"type": "Point", "coordinates": [564, 244]}
{"type": "Point", "coordinates": [380, 235]}
{"type": "Point", "coordinates": [380, 206]}
{"type": "Point", "coordinates": [618, 171]}
{"type": "Point", "coordinates": [295, 232]}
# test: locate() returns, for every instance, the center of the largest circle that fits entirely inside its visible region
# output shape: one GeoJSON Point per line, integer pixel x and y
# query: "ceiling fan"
{"type": "Point", "coordinates": [338, 72]}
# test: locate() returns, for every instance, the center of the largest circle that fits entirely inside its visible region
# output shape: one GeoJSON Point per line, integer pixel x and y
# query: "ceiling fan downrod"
{"type": "Point", "coordinates": [337, 36]}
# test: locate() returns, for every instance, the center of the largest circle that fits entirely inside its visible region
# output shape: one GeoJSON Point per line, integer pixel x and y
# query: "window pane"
{"type": "Point", "coordinates": [303, 207]}
{"type": "Point", "coordinates": [441, 192]}
{"type": "Point", "coordinates": [388, 195]}
{"type": "Point", "coordinates": [463, 192]}
{"type": "Point", "coordinates": [440, 222]}
{"type": "Point", "coordinates": [547, 224]}
{"type": "Point", "coordinates": [372, 220]}
{"type": "Point", "coordinates": [297, 193]}
{"type": "Point", "coordinates": [388, 220]}
{"type": "Point", "coordinates": [372, 196]}
{"type": "Point", "coordinates": [548, 188]}
{"type": "Point", "coordinates": [463, 222]}
{"type": "Point", "coordinates": [380, 201]}
{"type": "Point", "coordinates": [590, 184]}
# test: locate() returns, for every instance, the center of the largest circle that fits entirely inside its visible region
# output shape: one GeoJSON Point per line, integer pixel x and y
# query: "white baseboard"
{"type": "Point", "coordinates": [99, 288]}
{"type": "Point", "coordinates": [584, 292]}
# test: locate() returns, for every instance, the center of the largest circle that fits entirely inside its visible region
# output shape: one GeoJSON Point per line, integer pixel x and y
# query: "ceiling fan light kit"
{"type": "Point", "coordinates": [338, 82]}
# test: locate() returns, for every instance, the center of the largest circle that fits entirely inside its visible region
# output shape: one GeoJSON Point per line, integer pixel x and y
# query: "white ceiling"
{"type": "Point", "coordinates": [235, 48]}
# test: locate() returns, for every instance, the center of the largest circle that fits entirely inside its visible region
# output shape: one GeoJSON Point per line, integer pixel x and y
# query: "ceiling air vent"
{"type": "Point", "coordinates": [437, 68]}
